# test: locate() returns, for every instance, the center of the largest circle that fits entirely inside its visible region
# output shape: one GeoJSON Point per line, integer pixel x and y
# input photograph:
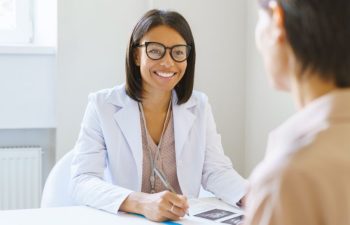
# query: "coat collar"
{"type": "Point", "coordinates": [128, 119]}
{"type": "Point", "coordinates": [301, 128]}
{"type": "Point", "coordinates": [183, 121]}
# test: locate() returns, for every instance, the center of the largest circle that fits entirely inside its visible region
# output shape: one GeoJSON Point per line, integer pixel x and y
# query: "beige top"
{"type": "Point", "coordinates": [305, 176]}
{"type": "Point", "coordinates": [166, 161]}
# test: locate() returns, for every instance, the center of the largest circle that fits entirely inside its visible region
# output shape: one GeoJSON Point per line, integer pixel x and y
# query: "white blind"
{"type": "Point", "coordinates": [16, 25]}
{"type": "Point", "coordinates": [7, 14]}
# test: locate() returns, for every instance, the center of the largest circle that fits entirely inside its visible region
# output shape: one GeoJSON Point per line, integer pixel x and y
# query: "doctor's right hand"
{"type": "Point", "coordinates": [156, 207]}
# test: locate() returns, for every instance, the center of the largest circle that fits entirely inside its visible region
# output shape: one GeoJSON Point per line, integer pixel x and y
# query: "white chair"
{"type": "Point", "coordinates": [56, 190]}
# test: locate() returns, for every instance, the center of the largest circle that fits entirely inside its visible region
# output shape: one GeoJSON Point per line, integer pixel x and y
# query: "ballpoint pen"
{"type": "Point", "coordinates": [165, 182]}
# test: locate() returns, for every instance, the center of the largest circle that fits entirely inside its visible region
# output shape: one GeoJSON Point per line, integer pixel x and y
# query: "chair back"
{"type": "Point", "coordinates": [56, 189]}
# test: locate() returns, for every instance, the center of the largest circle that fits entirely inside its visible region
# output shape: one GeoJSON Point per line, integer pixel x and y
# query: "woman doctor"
{"type": "Point", "coordinates": [153, 136]}
{"type": "Point", "coordinates": [305, 175]}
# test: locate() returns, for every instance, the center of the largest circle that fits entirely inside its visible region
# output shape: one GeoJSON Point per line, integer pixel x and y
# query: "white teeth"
{"type": "Point", "coordinates": [165, 74]}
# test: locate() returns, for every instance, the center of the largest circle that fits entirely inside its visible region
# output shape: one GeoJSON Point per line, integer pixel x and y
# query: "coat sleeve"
{"type": "Point", "coordinates": [218, 176]}
{"type": "Point", "coordinates": [87, 184]}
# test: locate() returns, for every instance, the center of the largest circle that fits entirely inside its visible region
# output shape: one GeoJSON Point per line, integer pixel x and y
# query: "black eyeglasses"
{"type": "Point", "coordinates": [155, 51]}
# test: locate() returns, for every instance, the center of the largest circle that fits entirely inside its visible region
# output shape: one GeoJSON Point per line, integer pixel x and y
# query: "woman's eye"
{"type": "Point", "coordinates": [179, 52]}
{"type": "Point", "coordinates": [155, 51]}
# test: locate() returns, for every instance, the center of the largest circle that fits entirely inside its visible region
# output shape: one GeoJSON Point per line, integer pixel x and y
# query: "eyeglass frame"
{"type": "Point", "coordinates": [165, 47]}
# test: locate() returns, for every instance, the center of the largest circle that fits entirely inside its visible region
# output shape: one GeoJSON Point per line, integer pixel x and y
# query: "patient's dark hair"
{"type": "Point", "coordinates": [151, 19]}
{"type": "Point", "coordinates": [319, 34]}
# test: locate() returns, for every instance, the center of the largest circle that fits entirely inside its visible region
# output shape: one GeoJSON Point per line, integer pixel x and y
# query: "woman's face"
{"type": "Point", "coordinates": [162, 74]}
{"type": "Point", "coordinates": [271, 42]}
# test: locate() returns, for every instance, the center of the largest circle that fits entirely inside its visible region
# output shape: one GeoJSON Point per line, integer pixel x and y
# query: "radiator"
{"type": "Point", "coordinates": [20, 177]}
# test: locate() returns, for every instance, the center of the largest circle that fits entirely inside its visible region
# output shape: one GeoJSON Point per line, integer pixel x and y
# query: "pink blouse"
{"type": "Point", "coordinates": [166, 160]}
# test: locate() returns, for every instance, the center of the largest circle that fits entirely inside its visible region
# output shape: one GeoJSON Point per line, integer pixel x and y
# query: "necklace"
{"type": "Point", "coordinates": [153, 159]}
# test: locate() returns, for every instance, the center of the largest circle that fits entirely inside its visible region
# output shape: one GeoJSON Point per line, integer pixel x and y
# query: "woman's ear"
{"type": "Point", "coordinates": [278, 20]}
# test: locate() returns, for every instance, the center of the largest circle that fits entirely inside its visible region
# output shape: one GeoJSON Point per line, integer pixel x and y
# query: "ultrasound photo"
{"type": "Point", "coordinates": [214, 214]}
{"type": "Point", "coordinates": [234, 221]}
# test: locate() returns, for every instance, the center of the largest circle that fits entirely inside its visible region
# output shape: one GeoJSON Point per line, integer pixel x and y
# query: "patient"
{"type": "Point", "coordinates": [305, 176]}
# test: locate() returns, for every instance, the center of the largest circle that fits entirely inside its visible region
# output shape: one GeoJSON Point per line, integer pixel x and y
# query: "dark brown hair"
{"type": "Point", "coordinates": [319, 34]}
{"type": "Point", "coordinates": [151, 19]}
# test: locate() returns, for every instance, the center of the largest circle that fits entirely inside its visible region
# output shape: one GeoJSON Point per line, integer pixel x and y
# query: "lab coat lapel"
{"type": "Point", "coordinates": [183, 122]}
{"type": "Point", "coordinates": [128, 119]}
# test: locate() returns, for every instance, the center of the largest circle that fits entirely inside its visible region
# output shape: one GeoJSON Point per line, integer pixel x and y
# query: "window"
{"type": "Point", "coordinates": [16, 22]}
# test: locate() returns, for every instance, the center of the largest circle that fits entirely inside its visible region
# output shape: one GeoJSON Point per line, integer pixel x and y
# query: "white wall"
{"type": "Point", "coordinates": [265, 107]}
{"type": "Point", "coordinates": [27, 91]}
{"type": "Point", "coordinates": [92, 39]}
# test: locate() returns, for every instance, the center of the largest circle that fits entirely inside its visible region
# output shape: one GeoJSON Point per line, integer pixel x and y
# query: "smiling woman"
{"type": "Point", "coordinates": [156, 136]}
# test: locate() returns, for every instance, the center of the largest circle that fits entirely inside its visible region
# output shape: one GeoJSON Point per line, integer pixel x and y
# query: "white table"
{"type": "Point", "coordinates": [77, 215]}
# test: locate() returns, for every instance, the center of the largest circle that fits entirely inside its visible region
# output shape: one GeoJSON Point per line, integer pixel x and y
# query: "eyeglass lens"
{"type": "Point", "coordinates": [156, 51]}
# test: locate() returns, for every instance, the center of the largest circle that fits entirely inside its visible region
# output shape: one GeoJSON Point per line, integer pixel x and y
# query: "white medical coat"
{"type": "Point", "coordinates": [110, 143]}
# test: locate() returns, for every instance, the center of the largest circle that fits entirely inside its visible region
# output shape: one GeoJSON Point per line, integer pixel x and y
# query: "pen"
{"type": "Point", "coordinates": [165, 183]}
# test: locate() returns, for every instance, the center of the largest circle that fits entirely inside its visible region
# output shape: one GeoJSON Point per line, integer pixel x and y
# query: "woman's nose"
{"type": "Point", "coordinates": [167, 60]}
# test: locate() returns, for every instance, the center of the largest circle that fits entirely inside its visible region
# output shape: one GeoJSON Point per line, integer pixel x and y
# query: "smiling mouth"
{"type": "Point", "coordinates": [165, 74]}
